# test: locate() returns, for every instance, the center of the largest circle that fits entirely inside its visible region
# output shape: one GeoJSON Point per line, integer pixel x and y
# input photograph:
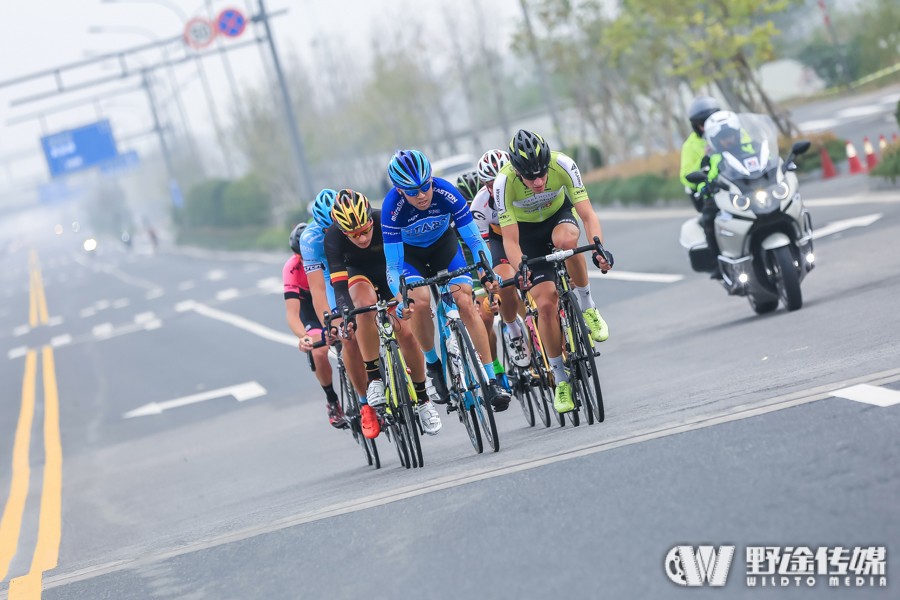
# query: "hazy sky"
{"type": "Point", "coordinates": [43, 34]}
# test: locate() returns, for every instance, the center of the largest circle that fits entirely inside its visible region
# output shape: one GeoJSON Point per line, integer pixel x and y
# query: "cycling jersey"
{"type": "Point", "coordinates": [349, 263]}
{"type": "Point", "coordinates": [312, 249]}
{"type": "Point", "coordinates": [516, 203]}
{"type": "Point", "coordinates": [296, 286]}
{"type": "Point", "coordinates": [484, 211]}
{"type": "Point", "coordinates": [294, 277]}
{"type": "Point", "coordinates": [405, 225]}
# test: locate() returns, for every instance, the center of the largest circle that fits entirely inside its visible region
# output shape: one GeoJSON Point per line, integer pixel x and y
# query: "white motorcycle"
{"type": "Point", "coordinates": [763, 231]}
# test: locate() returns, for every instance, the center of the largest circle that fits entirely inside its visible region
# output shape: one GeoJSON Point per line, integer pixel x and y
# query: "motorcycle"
{"type": "Point", "coordinates": [762, 228]}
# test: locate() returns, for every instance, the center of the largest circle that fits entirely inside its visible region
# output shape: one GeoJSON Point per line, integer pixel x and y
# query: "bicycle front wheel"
{"type": "Point", "coordinates": [587, 378]}
{"type": "Point", "coordinates": [401, 387]}
{"type": "Point", "coordinates": [477, 382]}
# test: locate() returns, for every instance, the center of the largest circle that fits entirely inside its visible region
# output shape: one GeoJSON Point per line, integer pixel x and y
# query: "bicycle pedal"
{"type": "Point", "coordinates": [451, 408]}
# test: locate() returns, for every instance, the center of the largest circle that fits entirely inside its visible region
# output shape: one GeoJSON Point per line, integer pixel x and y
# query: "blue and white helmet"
{"type": "Point", "coordinates": [321, 208]}
{"type": "Point", "coordinates": [409, 169]}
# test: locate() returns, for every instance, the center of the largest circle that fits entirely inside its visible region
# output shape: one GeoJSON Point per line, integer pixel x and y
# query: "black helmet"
{"type": "Point", "coordinates": [529, 154]}
{"type": "Point", "coordinates": [468, 185]}
{"type": "Point", "coordinates": [295, 237]}
{"type": "Point", "coordinates": [700, 110]}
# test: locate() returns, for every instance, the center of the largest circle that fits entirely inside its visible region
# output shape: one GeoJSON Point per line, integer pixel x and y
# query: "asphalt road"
{"type": "Point", "coordinates": [721, 429]}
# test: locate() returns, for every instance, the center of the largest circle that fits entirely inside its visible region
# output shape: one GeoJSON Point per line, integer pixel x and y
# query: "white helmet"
{"type": "Point", "coordinates": [490, 164]}
{"type": "Point", "coordinates": [723, 126]}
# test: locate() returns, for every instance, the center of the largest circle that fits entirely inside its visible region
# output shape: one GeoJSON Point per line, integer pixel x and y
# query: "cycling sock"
{"type": "Point", "coordinates": [584, 297]}
{"type": "Point", "coordinates": [431, 356]}
{"type": "Point", "coordinates": [512, 329]}
{"type": "Point", "coordinates": [559, 370]}
{"type": "Point", "coordinates": [363, 400]}
{"type": "Point", "coordinates": [372, 370]}
{"type": "Point", "coordinates": [330, 394]}
{"type": "Point", "coordinates": [489, 370]}
{"type": "Point", "coordinates": [421, 394]}
{"type": "Point", "coordinates": [498, 367]}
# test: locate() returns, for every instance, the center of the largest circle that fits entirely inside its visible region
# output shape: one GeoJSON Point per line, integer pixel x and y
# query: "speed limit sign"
{"type": "Point", "coordinates": [199, 33]}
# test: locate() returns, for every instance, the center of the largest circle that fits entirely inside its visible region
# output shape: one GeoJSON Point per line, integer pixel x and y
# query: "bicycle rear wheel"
{"type": "Point", "coordinates": [350, 404]}
{"type": "Point", "coordinates": [519, 382]}
{"type": "Point", "coordinates": [588, 378]}
{"type": "Point", "coordinates": [475, 376]}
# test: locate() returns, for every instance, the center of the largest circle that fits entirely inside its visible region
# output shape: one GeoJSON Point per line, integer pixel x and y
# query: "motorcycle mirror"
{"type": "Point", "coordinates": [696, 177]}
{"type": "Point", "coordinates": [800, 147]}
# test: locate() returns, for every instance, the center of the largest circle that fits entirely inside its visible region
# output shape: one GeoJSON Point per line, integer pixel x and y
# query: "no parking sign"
{"type": "Point", "coordinates": [231, 22]}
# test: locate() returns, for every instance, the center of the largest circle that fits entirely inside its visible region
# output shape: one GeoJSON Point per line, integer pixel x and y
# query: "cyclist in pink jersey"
{"type": "Point", "coordinates": [303, 321]}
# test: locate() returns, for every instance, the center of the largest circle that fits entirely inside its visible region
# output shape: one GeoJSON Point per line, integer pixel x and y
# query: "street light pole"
{"type": "Point", "coordinates": [173, 83]}
{"type": "Point", "coordinates": [201, 70]}
{"type": "Point", "coordinates": [304, 178]}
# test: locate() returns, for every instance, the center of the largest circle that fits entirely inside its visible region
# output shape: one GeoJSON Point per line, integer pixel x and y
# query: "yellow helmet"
{"type": "Point", "coordinates": [351, 210]}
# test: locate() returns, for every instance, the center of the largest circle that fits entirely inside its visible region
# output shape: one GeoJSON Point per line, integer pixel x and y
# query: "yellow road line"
{"type": "Point", "coordinates": [46, 552]}
{"type": "Point", "coordinates": [11, 523]}
{"type": "Point", "coordinates": [42, 297]}
{"type": "Point", "coordinates": [32, 299]}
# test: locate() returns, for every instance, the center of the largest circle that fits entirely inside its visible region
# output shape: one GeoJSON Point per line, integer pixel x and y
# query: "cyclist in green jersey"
{"type": "Point", "coordinates": [538, 194]}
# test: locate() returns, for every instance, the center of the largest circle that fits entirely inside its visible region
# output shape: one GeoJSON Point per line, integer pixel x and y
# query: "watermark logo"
{"type": "Point", "coordinates": [706, 565]}
{"type": "Point", "coordinates": [780, 566]}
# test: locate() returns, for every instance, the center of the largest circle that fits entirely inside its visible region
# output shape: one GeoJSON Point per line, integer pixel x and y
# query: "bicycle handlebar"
{"type": "Point", "coordinates": [444, 275]}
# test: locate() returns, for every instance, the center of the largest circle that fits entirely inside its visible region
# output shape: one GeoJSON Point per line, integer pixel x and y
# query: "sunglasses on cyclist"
{"type": "Point", "coordinates": [533, 176]}
{"type": "Point", "coordinates": [413, 192]}
{"type": "Point", "coordinates": [360, 232]}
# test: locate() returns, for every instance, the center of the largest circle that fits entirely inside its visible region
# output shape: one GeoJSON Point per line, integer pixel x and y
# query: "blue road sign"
{"type": "Point", "coordinates": [122, 162]}
{"type": "Point", "coordinates": [79, 149]}
{"type": "Point", "coordinates": [231, 22]}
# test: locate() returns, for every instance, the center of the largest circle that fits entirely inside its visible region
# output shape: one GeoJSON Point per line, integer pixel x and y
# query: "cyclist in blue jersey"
{"type": "Point", "coordinates": [315, 263]}
{"type": "Point", "coordinates": [418, 243]}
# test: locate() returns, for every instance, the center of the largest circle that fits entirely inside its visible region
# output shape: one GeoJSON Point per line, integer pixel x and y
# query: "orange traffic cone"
{"type": "Point", "coordinates": [871, 159]}
{"type": "Point", "coordinates": [853, 160]}
{"type": "Point", "coordinates": [882, 144]}
{"type": "Point", "coordinates": [828, 170]}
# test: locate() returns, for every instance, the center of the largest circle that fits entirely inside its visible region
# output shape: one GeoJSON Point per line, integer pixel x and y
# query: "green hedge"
{"type": "Point", "coordinates": [889, 165]}
{"type": "Point", "coordinates": [647, 189]}
{"type": "Point", "coordinates": [229, 204]}
{"type": "Point", "coordinates": [812, 160]}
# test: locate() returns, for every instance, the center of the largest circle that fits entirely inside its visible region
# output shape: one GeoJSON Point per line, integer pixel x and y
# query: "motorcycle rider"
{"type": "Point", "coordinates": [694, 158]}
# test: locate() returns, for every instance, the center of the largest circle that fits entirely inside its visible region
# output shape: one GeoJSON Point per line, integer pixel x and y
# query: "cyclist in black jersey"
{"type": "Point", "coordinates": [354, 249]}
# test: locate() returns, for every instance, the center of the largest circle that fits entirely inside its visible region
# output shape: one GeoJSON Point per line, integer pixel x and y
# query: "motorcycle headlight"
{"type": "Point", "coordinates": [740, 202]}
{"type": "Point", "coordinates": [763, 202]}
{"type": "Point", "coordinates": [780, 191]}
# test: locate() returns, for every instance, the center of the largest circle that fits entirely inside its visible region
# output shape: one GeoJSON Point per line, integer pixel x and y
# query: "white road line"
{"type": "Point", "coordinates": [632, 276]}
{"type": "Point", "coordinates": [102, 330]}
{"type": "Point", "coordinates": [144, 317]}
{"type": "Point", "coordinates": [844, 224]}
{"type": "Point", "coordinates": [229, 294]}
{"type": "Point", "coordinates": [54, 321]}
{"type": "Point", "coordinates": [88, 312]}
{"type": "Point", "coordinates": [154, 324]}
{"type": "Point", "coordinates": [241, 392]}
{"type": "Point", "coordinates": [216, 275]}
{"type": "Point", "coordinates": [870, 394]}
{"type": "Point", "coordinates": [242, 323]}
{"type": "Point", "coordinates": [129, 279]}
{"type": "Point", "coordinates": [61, 340]}
{"type": "Point", "coordinates": [154, 293]}
{"type": "Point", "coordinates": [818, 125]}
{"type": "Point", "coordinates": [121, 303]}
{"type": "Point", "coordinates": [21, 330]}
{"type": "Point", "coordinates": [186, 285]}
{"type": "Point", "coordinates": [101, 305]}
{"type": "Point", "coordinates": [272, 285]}
{"type": "Point", "coordinates": [185, 306]}
{"type": "Point", "coordinates": [17, 352]}
{"type": "Point", "coordinates": [858, 111]}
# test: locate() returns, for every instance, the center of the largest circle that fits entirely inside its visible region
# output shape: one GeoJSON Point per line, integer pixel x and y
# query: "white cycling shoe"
{"type": "Point", "coordinates": [375, 393]}
{"type": "Point", "coordinates": [429, 417]}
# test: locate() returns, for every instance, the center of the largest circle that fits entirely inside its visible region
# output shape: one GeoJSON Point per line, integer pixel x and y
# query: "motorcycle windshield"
{"type": "Point", "coordinates": [751, 153]}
